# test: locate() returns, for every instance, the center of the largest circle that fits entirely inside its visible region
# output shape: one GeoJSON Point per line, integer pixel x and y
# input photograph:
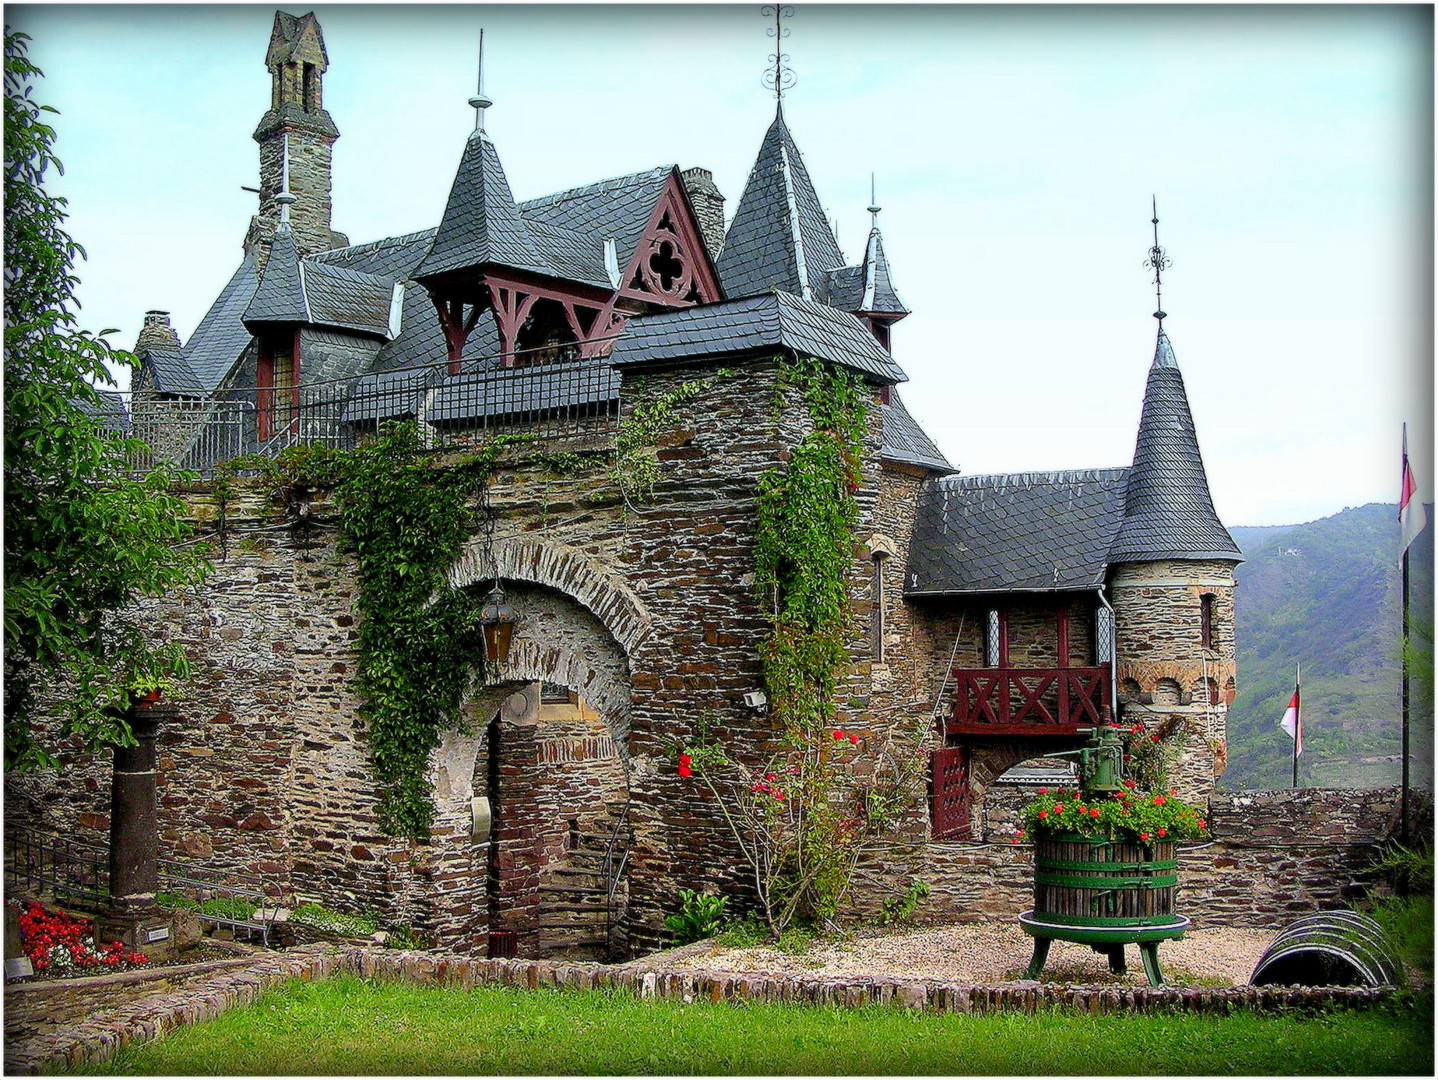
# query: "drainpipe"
{"type": "Point", "coordinates": [1112, 652]}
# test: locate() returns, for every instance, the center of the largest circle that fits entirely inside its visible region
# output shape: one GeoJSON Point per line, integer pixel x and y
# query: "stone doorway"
{"type": "Point", "coordinates": [556, 788]}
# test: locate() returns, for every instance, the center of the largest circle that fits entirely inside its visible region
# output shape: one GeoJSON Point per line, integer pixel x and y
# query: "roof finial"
{"type": "Point", "coordinates": [285, 196]}
{"type": "Point", "coordinates": [782, 76]}
{"type": "Point", "coordinates": [1157, 261]}
{"type": "Point", "coordinates": [479, 101]}
{"type": "Point", "coordinates": [873, 205]}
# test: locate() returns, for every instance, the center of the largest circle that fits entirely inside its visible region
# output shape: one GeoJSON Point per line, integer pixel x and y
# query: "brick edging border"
{"type": "Point", "coordinates": [97, 1039]}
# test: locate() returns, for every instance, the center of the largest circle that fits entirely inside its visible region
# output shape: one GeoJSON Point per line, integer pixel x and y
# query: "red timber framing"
{"type": "Point", "coordinates": [1004, 700]}
{"type": "Point", "coordinates": [277, 379]}
{"type": "Point", "coordinates": [669, 268]}
{"type": "Point", "coordinates": [949, 793]}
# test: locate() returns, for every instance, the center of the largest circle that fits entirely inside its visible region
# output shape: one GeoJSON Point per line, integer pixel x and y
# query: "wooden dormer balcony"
{"type": "Point", "coordinates": [1028, 701]}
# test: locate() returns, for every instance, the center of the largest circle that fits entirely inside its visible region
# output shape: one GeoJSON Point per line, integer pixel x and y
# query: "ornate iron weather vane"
{"type": "Point", "coordinates": [1157, 261]}
{"type": "Point", "coordinates": [781, 76]}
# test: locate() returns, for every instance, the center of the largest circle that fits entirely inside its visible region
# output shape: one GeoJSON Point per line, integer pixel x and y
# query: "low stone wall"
{"type": "Point", "coordinates": [97, 1038]}
{"type": "Point", "coordinates": [1275, 855]}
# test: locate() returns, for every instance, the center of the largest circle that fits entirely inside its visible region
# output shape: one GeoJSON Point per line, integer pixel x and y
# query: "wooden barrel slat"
{"type": "Point", "coordinates": [1126, 904]}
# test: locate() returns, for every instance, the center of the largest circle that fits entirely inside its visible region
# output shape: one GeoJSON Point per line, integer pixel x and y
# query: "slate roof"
{"type": "Point", "coordinates": [387, 395]}
{"type": "Point", "coordinates": [481, 224]}
{"type": "Point", "coordinates": [280, 297]}
{"type": "Point", "coordinates": [906, 442]}
{"type": "Point", "coordinates": [171, 372]}
{"type": "Point", "coordinates": [1168, 512]}
{"type": "Point", "coordinates": [221, 336]}
{"type": "Point", "coordinates": [348, 299]}
{"type": "Point", "coordinates": [779, 238]}
{"type": "Point", "coordinates": [515, 392]}
{"type": "Point", "coordinates": [573, 255]}
{"type": "Point", "coordinates": [1014, 532]}
{"type": "Point", "coordinates": [778, 320]}
{"type": "Point", "coordinates": [619, 207]}
{"type": "Point", "coordinates": [868, 287]}
{"type": "Point", "coordinates": [110, 412]}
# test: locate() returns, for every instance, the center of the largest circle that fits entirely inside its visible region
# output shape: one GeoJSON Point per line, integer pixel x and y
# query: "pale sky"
{"type": "Point", "coordinates": [1016, 149]}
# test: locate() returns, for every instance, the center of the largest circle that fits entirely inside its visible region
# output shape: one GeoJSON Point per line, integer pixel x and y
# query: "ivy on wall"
{"type": "Point", "coordinates": [804, 546]}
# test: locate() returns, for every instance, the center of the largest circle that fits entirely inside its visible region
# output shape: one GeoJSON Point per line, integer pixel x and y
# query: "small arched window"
{"type": "Point", "coordinates": [1205, 621]}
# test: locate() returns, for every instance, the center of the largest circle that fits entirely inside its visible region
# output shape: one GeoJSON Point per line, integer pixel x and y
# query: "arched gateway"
{"type": "Point", "coordinates": [533, 792]}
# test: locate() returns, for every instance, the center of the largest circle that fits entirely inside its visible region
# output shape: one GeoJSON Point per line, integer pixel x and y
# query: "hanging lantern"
{"type": "Point", "coordinates": [497, 620]}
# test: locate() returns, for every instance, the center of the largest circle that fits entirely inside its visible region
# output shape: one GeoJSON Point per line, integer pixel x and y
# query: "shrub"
{"type": "Point", "coordinates": [698, 917]}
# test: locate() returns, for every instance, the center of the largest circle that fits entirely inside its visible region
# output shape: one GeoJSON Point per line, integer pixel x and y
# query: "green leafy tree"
{"type": "Point", "coordinates": [83, 540]}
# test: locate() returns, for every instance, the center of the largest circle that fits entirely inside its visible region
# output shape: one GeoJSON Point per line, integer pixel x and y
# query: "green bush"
{"type": "Point", "coordinates": [699, 917]}
{"type": "Point", "coordinates": [1409, 871]}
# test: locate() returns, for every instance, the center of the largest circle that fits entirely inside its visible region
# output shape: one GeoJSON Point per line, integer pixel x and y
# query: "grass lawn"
{"type": "Point", "coordinates": [350, 1026]}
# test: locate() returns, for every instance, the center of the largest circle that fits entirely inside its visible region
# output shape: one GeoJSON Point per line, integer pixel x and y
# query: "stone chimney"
{"type": "Point", "coordinates": [708, 207]}
{"type": "Point", "coordinates": [157, 333]}
{"type": "Point", "coordinates": [296, 119]}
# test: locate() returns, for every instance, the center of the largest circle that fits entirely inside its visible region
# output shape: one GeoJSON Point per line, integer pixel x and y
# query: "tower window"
{"type": "Point", "coordinates": [1205, 621]}
{"type": "Point", "coordinates": [877, 629]}
{"type": "Point", "coordinates": [310, 80]}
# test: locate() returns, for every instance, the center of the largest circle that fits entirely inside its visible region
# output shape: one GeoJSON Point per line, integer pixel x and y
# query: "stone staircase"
{"type": "Point", "coordinates": [577, 920]}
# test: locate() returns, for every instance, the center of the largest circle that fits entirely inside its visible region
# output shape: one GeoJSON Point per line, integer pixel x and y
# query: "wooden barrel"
{"type": "Point", "coordinates": [1104, 883]}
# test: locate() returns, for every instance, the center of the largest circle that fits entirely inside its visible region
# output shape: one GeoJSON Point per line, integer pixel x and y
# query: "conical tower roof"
{"type": "Point", "coordinates": [280, 297]}
{"type": "Point", "coordinates": [878, 297]}
{"type": "Point", "coordinates": [481, 223]}
{"type": "Point", "coordinates": [779, 238]}
{"type": "Point", "coordinates": [1168, 511]}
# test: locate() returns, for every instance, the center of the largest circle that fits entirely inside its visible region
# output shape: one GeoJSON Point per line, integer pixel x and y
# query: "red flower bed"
{"type": "Point", "coordinates": [57, 943]}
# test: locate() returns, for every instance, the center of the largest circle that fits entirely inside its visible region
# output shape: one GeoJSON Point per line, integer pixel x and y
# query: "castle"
{"type": "Point", "coordinates": [1009, 613]}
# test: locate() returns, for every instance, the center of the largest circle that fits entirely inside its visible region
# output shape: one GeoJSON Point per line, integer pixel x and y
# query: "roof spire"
{"type": "Point", "coordinates": [479, 101]}
{"type": "Point", "coordinates": [781, 77]}
{"type": "Point", "coordinates": [285, 196]}
{"type": "Point", "coordinates": [1157, 261]}
{"type": "Point", "coordinates": [874, 207]}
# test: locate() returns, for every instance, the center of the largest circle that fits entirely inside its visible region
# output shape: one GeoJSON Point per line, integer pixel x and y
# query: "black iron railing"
{"type": "Point", "coordinates": [561, 401]}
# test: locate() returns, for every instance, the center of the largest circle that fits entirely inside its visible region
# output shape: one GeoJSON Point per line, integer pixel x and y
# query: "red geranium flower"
{"type": "Point", "coordinates": [1143, 836]}
{"type": "Point", "coordinates": [1162, 832]}
{"type": "Point", "coordinates": [838, 734]}
{"type": "Point", "coordinates": [1043, 813]}
{"type": "Point", "coordinates": [854, 739]}
{"type": "Point", "coordinates": [1043, 791]}
{"type": "Point", "coordinates": [1094, 811]}
{"type": "Point", "coordinates": [1159, 800]}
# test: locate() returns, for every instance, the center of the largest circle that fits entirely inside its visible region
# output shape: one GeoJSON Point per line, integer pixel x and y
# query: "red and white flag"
{"type": "Point", "coordinates": [1292, 723]}
{"type": "Point", "coordinates": [1410, 510]}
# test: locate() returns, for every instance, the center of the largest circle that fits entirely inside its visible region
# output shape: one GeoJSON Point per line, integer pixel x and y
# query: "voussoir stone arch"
{"type": "Point", "coordinates": [564, 569]}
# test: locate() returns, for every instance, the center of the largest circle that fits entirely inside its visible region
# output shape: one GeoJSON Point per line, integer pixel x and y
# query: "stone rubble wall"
{"type": "Point", "coordinates": [1274, 856]}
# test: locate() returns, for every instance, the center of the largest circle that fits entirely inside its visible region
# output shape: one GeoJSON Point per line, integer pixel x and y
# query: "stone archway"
{"type": "Point", "coordinates": [557, 778]}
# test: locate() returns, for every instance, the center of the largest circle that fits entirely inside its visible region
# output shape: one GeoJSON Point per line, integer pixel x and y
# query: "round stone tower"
{"type": "Point", "coordinates": [1171, 579]}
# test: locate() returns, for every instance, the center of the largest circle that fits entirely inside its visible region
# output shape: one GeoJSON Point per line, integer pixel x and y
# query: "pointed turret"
{"type": "Point", "coordinates": [280, 297]}
{"type": "Point", "coordinates": [1168, 511]}
{"type": "Point", "coordinates": [867, 290]}
{"type": "Point", "coordinates": [779, 238]}
{"type": "Point", "coordinates": [481, 224]}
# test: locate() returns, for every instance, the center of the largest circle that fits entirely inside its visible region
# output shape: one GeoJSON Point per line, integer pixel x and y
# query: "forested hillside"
{"type": "Point", "coordinates": [1327, 594]}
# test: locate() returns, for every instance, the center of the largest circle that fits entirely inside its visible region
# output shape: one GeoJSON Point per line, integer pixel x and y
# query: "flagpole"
{"type": "Point", "coordinates": [1298, 717]}
{"type": "Point", "coordinates": [1403, 796]}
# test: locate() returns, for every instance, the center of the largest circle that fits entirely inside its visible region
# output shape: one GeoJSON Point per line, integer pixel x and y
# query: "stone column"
{"type": "Point", "coordinates": [134, 917]}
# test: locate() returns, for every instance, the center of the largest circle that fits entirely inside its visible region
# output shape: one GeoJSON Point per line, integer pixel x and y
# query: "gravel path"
{"type": "Point", "coordinates": [987, 953]}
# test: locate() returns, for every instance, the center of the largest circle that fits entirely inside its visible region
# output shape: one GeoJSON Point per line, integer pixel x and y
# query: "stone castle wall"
{"type": "Point", "coordinates": [1164, 673]}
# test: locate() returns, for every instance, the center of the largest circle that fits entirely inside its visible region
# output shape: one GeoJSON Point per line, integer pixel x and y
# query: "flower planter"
{"type": "Point", "coordinates": [1104, 884]}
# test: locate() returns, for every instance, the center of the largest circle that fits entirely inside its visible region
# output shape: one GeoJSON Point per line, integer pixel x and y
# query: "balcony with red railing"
{"type": "Point", "coordinates": [1027, 701]}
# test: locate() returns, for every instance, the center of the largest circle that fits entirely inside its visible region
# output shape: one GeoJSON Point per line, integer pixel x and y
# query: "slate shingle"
{"type": "Point", "coordinates": [221, 337]}
{"type": "Point", "coordinates": [481, 224]}
{"type": "Point", "coordinates": [778, 320]}
{"type": "Point", "coordinates": [1014, 532]}
{"type": "Point", "coordinates": [1168, 510]}
{"type": "Point", "coordinates": [171, 372]}
{"type": "Point", "coordinates": [779, 226]}
{"type": "Point", "coordinates": [618, 208]}
{"type": "Point", "coordinates": [906, 442]}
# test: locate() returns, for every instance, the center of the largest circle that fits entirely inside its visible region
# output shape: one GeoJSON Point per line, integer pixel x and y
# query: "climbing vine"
{"type": "Point", "coordinates": [804, 547]}
{"type": "Point", "coordinates": [407, 521]}
{"type": "Point", "coordinates": [636, 465]}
